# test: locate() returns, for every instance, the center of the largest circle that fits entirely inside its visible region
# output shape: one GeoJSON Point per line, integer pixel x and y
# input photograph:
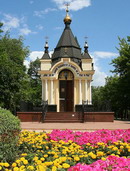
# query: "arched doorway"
{"type": "Point", "coordinates": [66, 91]}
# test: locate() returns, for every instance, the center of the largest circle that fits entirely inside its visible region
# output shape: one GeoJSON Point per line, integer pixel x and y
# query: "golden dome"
{"type": "Point", "coordinates": [67, 18]}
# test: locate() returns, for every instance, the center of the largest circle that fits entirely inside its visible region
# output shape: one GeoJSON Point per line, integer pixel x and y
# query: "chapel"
{"type": "Point", "coordinates": [67, 74]}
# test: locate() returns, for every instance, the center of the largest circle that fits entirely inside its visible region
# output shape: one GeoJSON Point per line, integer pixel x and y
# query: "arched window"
{"type": "Point", "coordinates": [66, 75]}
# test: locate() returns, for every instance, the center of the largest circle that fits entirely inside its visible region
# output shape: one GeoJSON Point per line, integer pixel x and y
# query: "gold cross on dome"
{"type": "Point", "coordinates": [86, 38]}
{"type": "Point", "coordinates": [46, 38]}
{"type": "Point", "coordinates": [67, 7]}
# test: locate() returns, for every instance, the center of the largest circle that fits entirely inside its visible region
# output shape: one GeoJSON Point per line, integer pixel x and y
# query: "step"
{"type": "Point", "coordinates": [61, 121]}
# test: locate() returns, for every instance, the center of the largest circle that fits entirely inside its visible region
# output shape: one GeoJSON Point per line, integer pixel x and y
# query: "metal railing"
{"type": "Point", "coordinates": [44, 109]}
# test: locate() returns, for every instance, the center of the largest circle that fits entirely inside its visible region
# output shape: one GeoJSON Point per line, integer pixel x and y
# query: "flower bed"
{"type": "Point", "coordinates": [73, 151]}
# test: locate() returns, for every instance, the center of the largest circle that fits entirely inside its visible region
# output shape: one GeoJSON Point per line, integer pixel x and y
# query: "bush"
{"type": "Point", "coordinates": [9, 135]}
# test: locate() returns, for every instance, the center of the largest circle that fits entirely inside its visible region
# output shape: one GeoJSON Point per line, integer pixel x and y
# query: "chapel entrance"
{"type": "Point", "coordinates": [66, 91]}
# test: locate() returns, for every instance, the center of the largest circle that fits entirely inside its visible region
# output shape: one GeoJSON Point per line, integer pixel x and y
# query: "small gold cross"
{"type": "Point", "coordinates": [67, 7]}
{"type": "Point", "coordinates": [86, 38]}
{"type": "Point", "coordinates": [46, 38]}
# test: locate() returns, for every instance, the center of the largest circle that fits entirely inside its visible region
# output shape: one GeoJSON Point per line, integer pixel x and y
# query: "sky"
{"type": "Point", "coordinates": [101, 21]}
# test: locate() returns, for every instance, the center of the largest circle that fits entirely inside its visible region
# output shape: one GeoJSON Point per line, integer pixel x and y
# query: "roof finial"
{"type": "Point", "coordinates": [67, 7]}
{"type": "Point", "coordinates": [67, 19]}
{"type": "Point", "coordinates": [46, 44]}
{"type": "Point", "coordinates": [86, 45]}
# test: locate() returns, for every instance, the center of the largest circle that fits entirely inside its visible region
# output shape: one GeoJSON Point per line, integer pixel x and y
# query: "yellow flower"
{"type": "Point", "coordinates": [88, 144]}
{"type": "Point", "coordinates": [30, 167]}
{"type": "Point", "coordinates": [16, 169]}
{"type": "Point", "coordinates": [76, 158]}
{"type": "Point", "coordinates": [121, 147]}
{"type": "Point", "coordinates": [100, 153]}
{"type": "Point", "coordinates": [6, 164]}
{"type": "Point", "coordinates": [42, 159]}
{"type": "Point", "coordinates": [66, 165]}
{"type": "Point", "coordinates": [22, 159]}
{"type": "Point", "coordinates": [45, 155]}
{"type": "Point", "coordinates": [59, 166]}
{"type": "Point", "coordinates": [0, 168]}
{"type": "Point", "coordinates": [35, 158]}
{"type": "Point", "coordinates": [25, 162]}
{"type": "Point", "coordinates": [41, 168]}
{"type": "Point", "coordinates": [24, 154]}
{"type": "Point", "coordinates": [63, 159]}
{"type": "Point", "coordinates": [39, 162]}
{"type": "Point", "coordinates": [115, 148]}
{"type": "Point", "coordinates": [18, 161]}
{"type": "Point", "coordinates": [103, 158]}
{"type": "Point", "coordinates": [47, 147]}
{"type": "Point", "coordinates": [54, 168]}
{"type": "Point", "coordinates": [14, 164]}
{"type": "Point", "coordinates": [92, 155]}
{"type": "Point", "coordinates": [22, 168]}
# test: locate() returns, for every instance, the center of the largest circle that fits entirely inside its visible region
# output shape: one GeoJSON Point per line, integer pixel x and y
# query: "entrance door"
{"type": "Point", "coordinates": [66, 95]}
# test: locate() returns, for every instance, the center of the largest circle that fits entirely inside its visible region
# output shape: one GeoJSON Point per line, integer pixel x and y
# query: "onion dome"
{"type": "Point", "coordinates": [67, 19]}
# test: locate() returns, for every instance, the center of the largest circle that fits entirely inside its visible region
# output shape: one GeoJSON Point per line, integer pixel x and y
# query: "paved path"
{"type": "Point", "coordinates": [87, 126]}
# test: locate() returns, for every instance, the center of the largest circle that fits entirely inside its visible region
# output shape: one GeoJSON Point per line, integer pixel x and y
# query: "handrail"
{"type": "Point", "coordinates": [44, 109]}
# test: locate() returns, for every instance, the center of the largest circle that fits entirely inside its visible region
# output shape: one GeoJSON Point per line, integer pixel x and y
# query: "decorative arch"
{"type": "Point", "coordinates": [66, 74]}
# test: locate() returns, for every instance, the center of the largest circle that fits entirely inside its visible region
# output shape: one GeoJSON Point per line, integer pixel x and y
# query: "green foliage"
{"type": "Point", "coordinates": [1, 24]}
{"type": "Point", "coordinates": [31, 85]}
{"type": "Point", "coordinates": [122, 69]}
{"type": "Point", "coordinates": [116, 91]}
{"type": "Point", "coordinates": [9, 135]}
{"type": "Point", "coordinates": [12, 70]}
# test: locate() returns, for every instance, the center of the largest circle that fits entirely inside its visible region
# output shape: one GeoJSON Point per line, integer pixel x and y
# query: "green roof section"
{"type": "Point", "coordinates": [67, 46]}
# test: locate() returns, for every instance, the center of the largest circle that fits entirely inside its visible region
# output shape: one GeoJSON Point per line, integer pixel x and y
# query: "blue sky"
{"type": "Point", "coordinates": [102, 21]}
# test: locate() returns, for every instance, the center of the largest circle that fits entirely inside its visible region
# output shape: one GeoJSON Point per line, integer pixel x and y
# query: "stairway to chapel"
{"type": "Point", "coordinates": [63, 117]}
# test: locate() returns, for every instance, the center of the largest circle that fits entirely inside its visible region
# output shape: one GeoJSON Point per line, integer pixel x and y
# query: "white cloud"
{"type": "Point", "coordinates": [25, 31]}
{"type": "Point", "coordinates": [100, 75]}
{"type": "Point", "coordinates": [35, 54]}
{"type": "Point", "coordinates": [40, 27]}
{"type": "Point", "coordinates": [74, 4]}
{"type": "Point", "coordinates": [19, 24]}
{"type": "Point", "coordinates": [10, 22]}
{"type": "Point", "coordinates": [41, 13]}
{"type": "Point", "coordinates": [101, 54]}
{"type": "Point", "coordinates": [58, 28]}
{"type": "Point", "coordinates": [31, 2]}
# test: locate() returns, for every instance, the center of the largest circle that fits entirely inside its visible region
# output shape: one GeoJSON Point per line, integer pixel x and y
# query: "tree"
{"type": "Point", "coordinates": [1, 24]}
{"type": "Point", "coordinates": [122, 69]}
{"type": "Point", "coordinates": [31, 87]}
{"type": "Point", "coordinates": [12, 70]}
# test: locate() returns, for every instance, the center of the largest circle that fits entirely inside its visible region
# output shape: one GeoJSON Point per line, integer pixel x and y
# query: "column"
{"type": "Point", "coordinates": [51, 91]}
{"type": "Point", "coordinates": [90, 93]}
{"type": "Point", "coordinates": [86, 90]}
{"type": "Point", "coordinates": [43, 90]}
{"type": "Point", "coordinates": [46, 90]}
{"type": "Point", "coordinates": [80, 93]}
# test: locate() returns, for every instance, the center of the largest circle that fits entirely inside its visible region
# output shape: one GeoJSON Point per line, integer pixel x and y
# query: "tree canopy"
{"type": "Point", "coordinates": [31, 86]}
{"type": "Point", "coordinates": [12, 70]}
{"type": "Point", "coordinates": [117, 87]}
